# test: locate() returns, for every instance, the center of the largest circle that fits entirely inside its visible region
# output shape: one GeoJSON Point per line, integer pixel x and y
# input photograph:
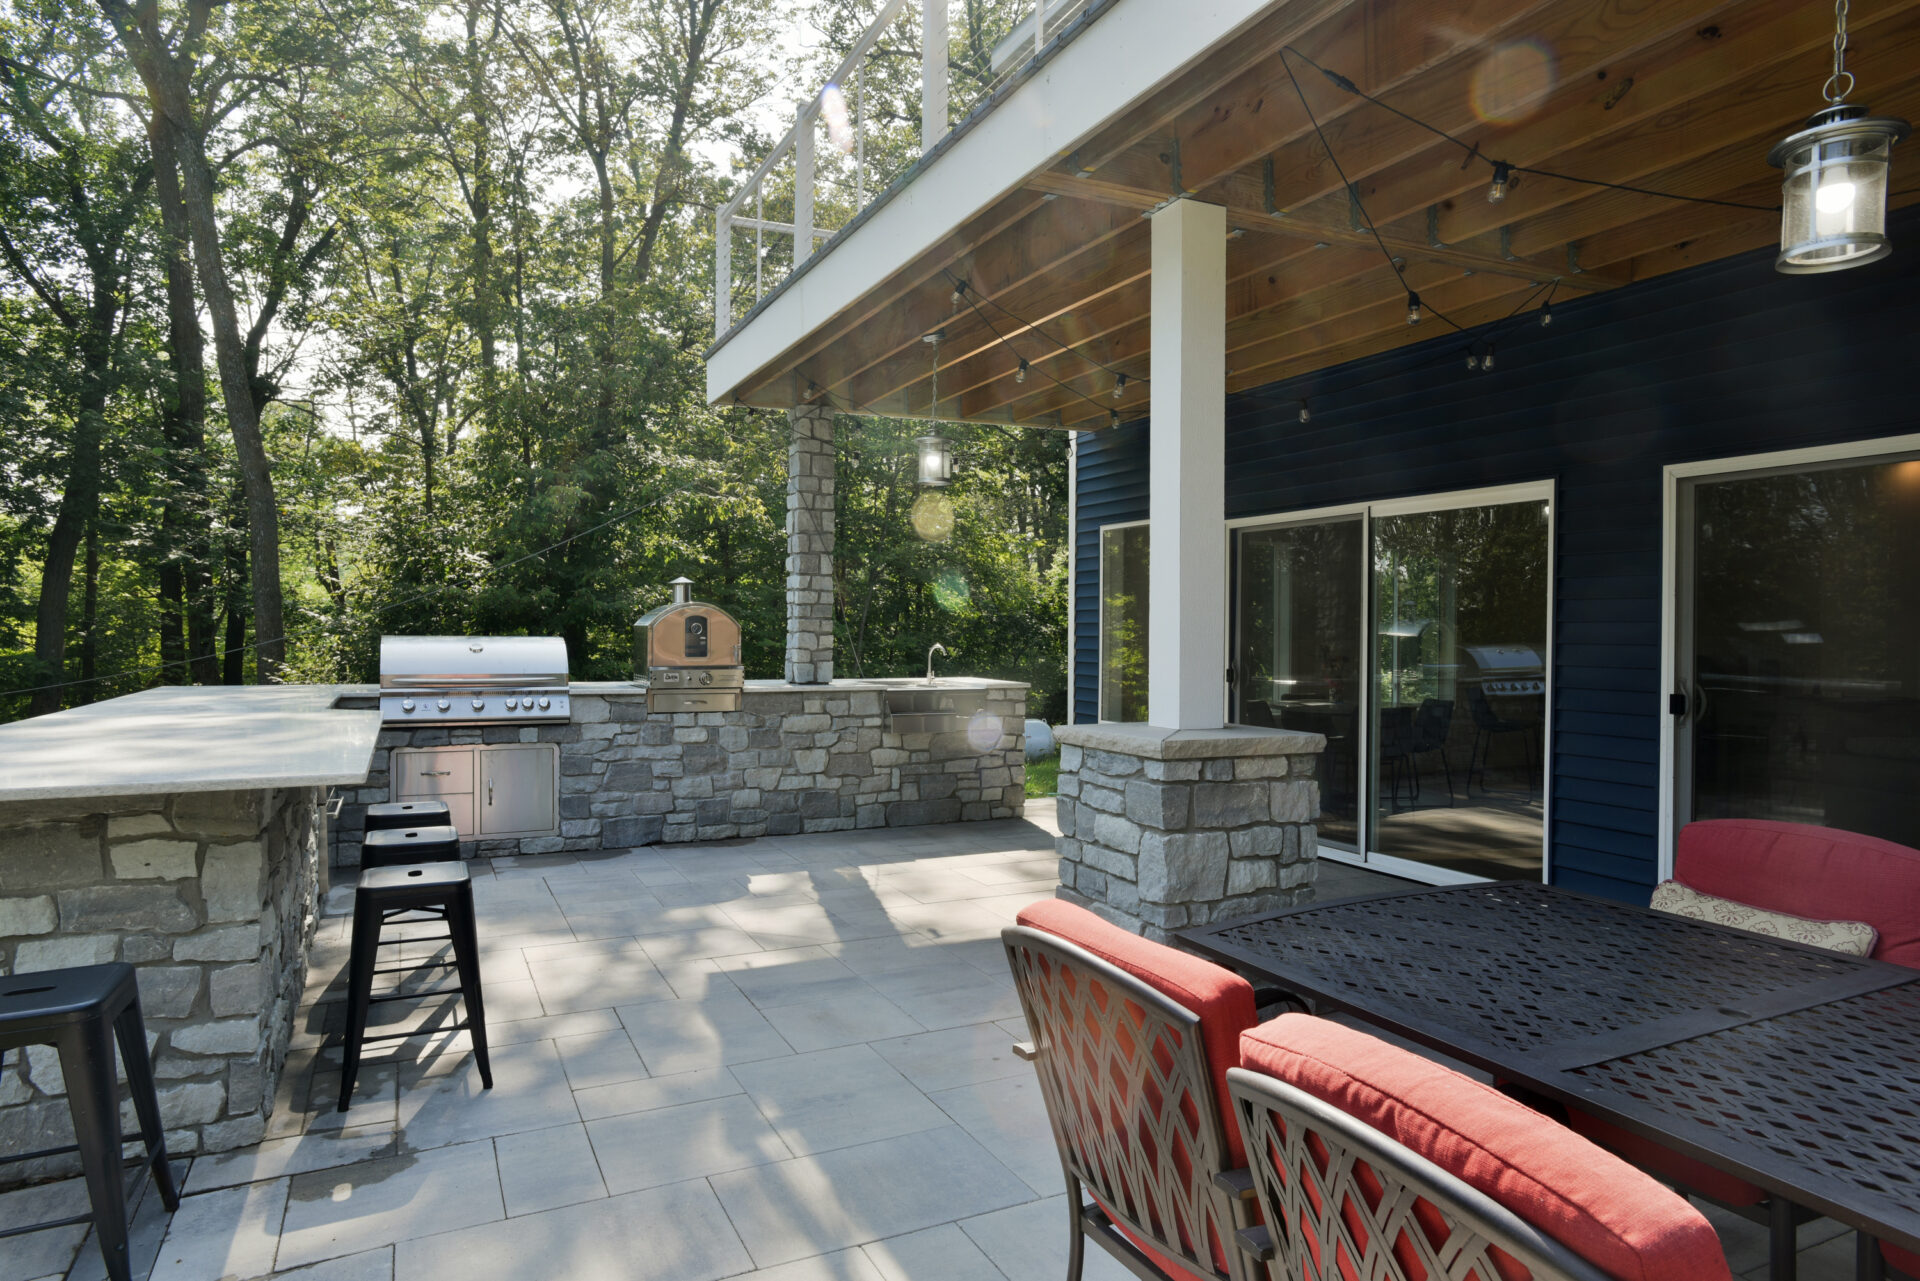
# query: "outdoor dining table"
{"type": "Point", "coordinates": [1794, 1068]}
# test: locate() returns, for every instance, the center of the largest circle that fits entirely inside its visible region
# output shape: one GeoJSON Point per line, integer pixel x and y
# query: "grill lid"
{"type": "Point", "coordinates": [473, 662]}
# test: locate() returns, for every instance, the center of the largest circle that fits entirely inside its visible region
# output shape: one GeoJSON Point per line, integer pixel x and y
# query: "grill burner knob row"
{"type": "Point", "coordinates": [406, 704]}
{"type": "Point", "coordinates": [513, 704]}
{"type": "Point", "coordinates": [543, 704]}
{"type": "Point", "coordinates": [442, 704]}
{"type": "Point", "coordinates": [479, 705]}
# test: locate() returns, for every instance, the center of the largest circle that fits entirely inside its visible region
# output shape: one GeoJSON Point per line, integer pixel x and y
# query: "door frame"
{"type": "Point", "coordinates": [1671, 542]}
{"type": "Point", "coordinates": [1544, 490]}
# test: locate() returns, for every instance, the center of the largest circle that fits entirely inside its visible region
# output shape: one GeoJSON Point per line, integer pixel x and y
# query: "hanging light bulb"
{"type": "Point", "coordinates": [1119, 385]}
{"type": "Point", "coordinates": [1020, 374]}
{"type": "Point", "coordinates": [1833, 206]}
{"type": "Point", "coordinates": [1546, 315]}
{"type": "Point", "coordinates": [1473, 359]}
{"type": "Point", "coordinates": [1113, 418]}
{"type": "Point", "coordinates": [959, 293]}
{"type": "Point", "coordinates": [1413, 309]}
{"type": "Point", "coordinates": [1304, 415]}
{"type": "Point", "coordinates": [1486, 361]}
{"type": "Point", "coordinates": [1502, 179]}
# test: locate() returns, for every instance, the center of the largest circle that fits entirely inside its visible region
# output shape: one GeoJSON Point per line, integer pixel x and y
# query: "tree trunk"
{"type": "Point", "coordinates": [79, 499]}
{"type": "Point", "coordinates": [90, 614]}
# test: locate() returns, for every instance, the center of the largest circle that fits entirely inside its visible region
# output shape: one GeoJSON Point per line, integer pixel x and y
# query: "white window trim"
{"type": "Point", "coordinates": [1670, 479]}
{"type": "Point", "coordinates": [1100, 613]}
{"type": "Point", "coordinates": [1453, 500]}
{"type": "Point", "coordinates": [1073, 578]}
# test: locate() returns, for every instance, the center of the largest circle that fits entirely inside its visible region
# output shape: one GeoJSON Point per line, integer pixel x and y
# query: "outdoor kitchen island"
{"type": "Point", "coordinates": [792, 758]}
{"type": "Point", "coordinates": [181, 830]}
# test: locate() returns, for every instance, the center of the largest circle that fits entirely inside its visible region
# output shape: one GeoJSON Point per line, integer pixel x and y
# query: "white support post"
{"type": "Point", "coordinates": [1187, 569]}
{"type": "Point", "coordinates": [722, 272]}
{"type": "Point", "coordinates": [933, 73]}
{"type": "Point", "coordinates": [803, 186]}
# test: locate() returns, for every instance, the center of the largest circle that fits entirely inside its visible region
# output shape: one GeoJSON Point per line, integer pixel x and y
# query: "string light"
{"type": "Point", "coordinates": [1304, 414]}
{"type": "Point", "coordinates": [1546, 315]}
{"type": "Point", "coordinates": [1119, 385]}
{"type": "Point", "coordinates": [1473, 359]}
{"type": "Point", "coordinates": [1502, 178]}
{"type": "Point", "coordinates": [1020, 374]}
{"type": "Point", "coordinates": [1413, 308]}
{"type": "Point", "coordinates": [1486, 361]}
{"type": "Point", "coordinates": [959, 293]}
{"type": "Point", "coordinates": [1113, 418]}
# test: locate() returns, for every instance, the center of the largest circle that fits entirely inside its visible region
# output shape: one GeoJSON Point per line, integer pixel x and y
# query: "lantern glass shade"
{"type": "Point", "coordinates": [1834, 196]}
{"type": "Point", "coordinates": [936, 459]}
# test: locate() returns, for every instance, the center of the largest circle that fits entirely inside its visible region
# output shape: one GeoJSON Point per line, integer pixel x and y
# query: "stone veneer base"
{"type": "Point", "coordinates": [213, 898]}
{"type": "Point", "coordinates": [1161, 830]}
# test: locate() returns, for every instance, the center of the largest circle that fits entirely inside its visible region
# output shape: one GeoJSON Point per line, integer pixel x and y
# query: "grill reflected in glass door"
{"type": "Point", "coordinates": [1298, 662]}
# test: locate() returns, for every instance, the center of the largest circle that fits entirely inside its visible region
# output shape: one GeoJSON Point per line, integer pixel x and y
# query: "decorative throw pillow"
{"type": "Point", "coordinates": [1849, 938]}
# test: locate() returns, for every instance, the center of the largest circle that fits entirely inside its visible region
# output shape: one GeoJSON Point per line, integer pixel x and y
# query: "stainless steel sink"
{"type": "Point", "coordinates": [918, 708]}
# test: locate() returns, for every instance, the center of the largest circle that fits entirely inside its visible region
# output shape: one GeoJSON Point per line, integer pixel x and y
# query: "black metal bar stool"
{"type": "Point", "coordinates": [81, 1012]}
{"type": "Point", "coordinates": [442, 888]}
{"type": "Point", "coordinates": [391, 814]}
{"type": "Point", "coordinates": [392, 846]}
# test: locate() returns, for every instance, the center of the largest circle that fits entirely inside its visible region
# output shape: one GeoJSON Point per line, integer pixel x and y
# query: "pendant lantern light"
{"type": "Point", "coordinates": [935, 450]}
{"type": "Point", "coordinates": [1834, 196]}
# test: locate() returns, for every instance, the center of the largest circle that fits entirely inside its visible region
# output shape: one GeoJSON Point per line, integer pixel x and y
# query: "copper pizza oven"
{"type": "Point", "coordinates": [688, 653]}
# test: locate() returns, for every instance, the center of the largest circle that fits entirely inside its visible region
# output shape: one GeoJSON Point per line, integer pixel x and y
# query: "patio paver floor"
{"type": "Point", "coordinates": [786, 1059]}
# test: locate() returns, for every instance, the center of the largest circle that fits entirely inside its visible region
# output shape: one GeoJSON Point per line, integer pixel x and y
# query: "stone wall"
{"type": "Point", "coordinates": [791, 760]}
{"type": "Point", "coordinates": [212, 897]}
{"type": "Point", "coordinates": [810, 532]}
{"type": "Point", "coordinates": [1161, 830]}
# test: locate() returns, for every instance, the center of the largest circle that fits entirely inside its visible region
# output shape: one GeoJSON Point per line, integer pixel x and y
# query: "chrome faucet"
{"type": "Point", "coordinates": [938, 648]}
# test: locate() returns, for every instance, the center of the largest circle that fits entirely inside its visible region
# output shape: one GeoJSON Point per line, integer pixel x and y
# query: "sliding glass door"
{"type": "Point", "coordinates": [1798, 655]}
{"type": "Point", "coordinates": [1414, 635]}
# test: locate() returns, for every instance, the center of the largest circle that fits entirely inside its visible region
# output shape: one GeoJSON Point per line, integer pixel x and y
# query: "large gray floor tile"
{"type": "Point", "coordinates": [953, 1057]}
{"type": "Point", "coordinates": [1009, 1118]}
{"type": "Point", "coordinates": [277, 1157]}
{"type": "Point", "coordinates": [944, 1253]}
{"type": "Point", "coordinates": [676, 1233]}
{"type": "Point", "coordinates": [606, 1057]}
{"type": "Point", "coordinates": [792, 976]}
{"type": "Point", "coordinates": [670, 1145]}
{"type": "Point", "coordinates": [686, 1036]}
{"type": "Point", "coordinates": [232, 1233]}
{"type": "Point", "coordinates": [655, 1092]}
{"type": "Point", "coordinates": [837, 1098]}
{"type": "Point", "coordinates": [844, 1020]}
{"type": "Point", "coordinates": [530, 1092]}
{"type": "Point", "coordinates": [841, 1265]}
{"type": "Point", "coordinates": [331, 1213]}
{"type": "Point", "coordinates": [368, 1265]}
{"type": "Point", "coordinates": [1031, 1241]}
{"type": "Point", "coordinates": [819, 1204]}
{"type": "Point", "coordinates": [546, 1169]}
{"type": "Point", "coordinates": [50, 1252]}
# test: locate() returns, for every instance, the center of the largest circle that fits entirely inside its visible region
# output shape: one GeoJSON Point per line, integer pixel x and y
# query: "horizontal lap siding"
{"type": "Point", "coordinates": [1112, 469]}
{"type": "Point", "coordinates": [1720, 361]}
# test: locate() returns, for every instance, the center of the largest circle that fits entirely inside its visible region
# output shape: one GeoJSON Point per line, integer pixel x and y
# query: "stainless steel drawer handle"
{"type": "Point", "coordinates": [435, 773]}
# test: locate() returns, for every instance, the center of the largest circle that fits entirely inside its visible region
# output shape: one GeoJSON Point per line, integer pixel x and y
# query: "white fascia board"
{"type": "Point", "coordinates": [1129, 52]}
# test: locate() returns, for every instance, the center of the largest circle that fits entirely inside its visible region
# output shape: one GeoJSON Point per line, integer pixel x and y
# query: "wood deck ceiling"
{"type": "Point", "coordinates": [1680, 96]}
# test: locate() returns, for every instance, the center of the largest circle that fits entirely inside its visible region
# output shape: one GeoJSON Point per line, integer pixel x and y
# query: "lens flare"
{"type": "Point", "coordinates": [1511, 82]}
{"type": "Point", "coordinates": [983, 731]}
{"type": "Point", "coordinates": [833, 109]}
{"type": "Point", "coordinates": [932, 516]}
{"type": "Point", "coordinates": [950, 591]}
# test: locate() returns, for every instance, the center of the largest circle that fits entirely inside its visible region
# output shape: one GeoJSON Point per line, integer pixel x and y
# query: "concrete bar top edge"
{"type": "Point", "coordinates": [191, 738]}
{"type": "Point", "coordinates": [630, 689]}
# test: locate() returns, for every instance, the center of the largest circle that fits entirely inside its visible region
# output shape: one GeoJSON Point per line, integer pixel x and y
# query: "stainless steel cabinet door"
{"type": "Point", "coordinates": [516, 789]}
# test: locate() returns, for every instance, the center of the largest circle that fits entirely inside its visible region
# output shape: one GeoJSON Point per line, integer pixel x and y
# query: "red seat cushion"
{"type": "Point", "coordinates": [1593, 1203]}
{"type": "Point", "coordinates": [1222, 999]}
{"type": "Point", "coordinates": [1697, 1176]}
{"type": "Point", "coordinates": [1905, 1260]}
{"type": "Point", "coordinates": [1820, 872]}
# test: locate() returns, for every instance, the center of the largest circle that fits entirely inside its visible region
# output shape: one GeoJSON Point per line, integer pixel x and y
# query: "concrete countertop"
{"type": "Point", "coordinates": [628, 689]}
{"type": "Point", "coordinates": [190, 738]}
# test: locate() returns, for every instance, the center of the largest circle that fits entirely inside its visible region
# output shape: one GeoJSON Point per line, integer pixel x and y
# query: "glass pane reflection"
{"type": "Point", "coordinates": [1123, 623]}
{"type": "Point", "coordinates": [1460, 623]}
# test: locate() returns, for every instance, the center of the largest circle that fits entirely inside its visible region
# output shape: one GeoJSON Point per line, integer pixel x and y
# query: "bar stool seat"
{"type": "Point", "coordinates": [81, 1012]}
{"type": "Point", "coordinates": [390, 846]}
{"type": "Point", "coordinates": [441, 889]}
{"type": "Point", "coordinates": [391, 814]}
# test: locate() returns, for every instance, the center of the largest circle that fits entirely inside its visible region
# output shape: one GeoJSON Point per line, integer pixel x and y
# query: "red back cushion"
{"type": "Point", "coordinates": [1590, 1201]}
{"type": "Point", "coordinates": [1820, 872]}
{"type": "Point", "coordinates": [1222, 999]}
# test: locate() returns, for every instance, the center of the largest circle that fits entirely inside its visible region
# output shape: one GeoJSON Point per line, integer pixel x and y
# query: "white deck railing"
{"type": "Point", "coordinates": [823, 189]}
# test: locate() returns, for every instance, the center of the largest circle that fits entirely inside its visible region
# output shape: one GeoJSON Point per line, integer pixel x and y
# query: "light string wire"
{"type": "Point", "coordinates": [324, 628]}
{"type": "Point", "coordinates": [966, 292]}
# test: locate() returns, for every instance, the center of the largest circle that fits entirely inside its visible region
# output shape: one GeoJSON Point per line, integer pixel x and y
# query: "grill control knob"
{"type": "Point", "coordinates": [406, 704]}
{"type": "Point", "coordinates": [479, 705]}
{"type": "Point", "coordinates": [442, 704]}
{"type": "Point", "coordinates": [543, 704]}
{"type": "Point", "coordinates": [706, 678]}
{"type": "Point", "coordinates": [513, 704]}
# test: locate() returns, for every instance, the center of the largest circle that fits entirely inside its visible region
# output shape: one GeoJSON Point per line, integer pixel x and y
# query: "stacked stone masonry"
{"type": "Point", "coordinates": [810, 532]}
{"type": "Point", "coordinates": [212, 897]}
{"type": "Point", "coordinates": [789, 761]}
{"type": "Point", "coordinates": [1158, 845]}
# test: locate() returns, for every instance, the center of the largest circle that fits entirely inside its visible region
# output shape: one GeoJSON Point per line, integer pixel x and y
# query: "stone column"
{"type": "Point", "coordinates": [810, 546]}
{"type": "Point", "coordinates": [1165, 829]}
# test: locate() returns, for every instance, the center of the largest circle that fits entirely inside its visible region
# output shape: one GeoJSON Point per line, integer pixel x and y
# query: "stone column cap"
{"type": "Point", "coordinates": [1157, 743]}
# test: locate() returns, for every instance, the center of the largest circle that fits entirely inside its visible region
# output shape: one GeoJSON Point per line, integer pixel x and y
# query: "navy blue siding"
{"type": "Point", "coordinates": [1112, 490]}
{"type": "Point", "coordinates": [1722, 360]}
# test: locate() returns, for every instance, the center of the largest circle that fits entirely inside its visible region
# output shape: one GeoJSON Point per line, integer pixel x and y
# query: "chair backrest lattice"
{"type": "Point", "coordinates": [1343, 1202]}
{"type": "Point", "coordinates": [1129, 1094]}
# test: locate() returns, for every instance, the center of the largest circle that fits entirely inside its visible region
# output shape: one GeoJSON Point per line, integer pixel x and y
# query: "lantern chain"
{"type": "Point", "coordinates": [1831, 90]}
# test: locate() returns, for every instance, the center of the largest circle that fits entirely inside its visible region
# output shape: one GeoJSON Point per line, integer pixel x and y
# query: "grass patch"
{"type": "Point", "coordinates": [1043, 777]}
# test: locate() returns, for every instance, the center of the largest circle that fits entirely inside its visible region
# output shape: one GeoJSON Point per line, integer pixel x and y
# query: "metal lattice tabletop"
{"type": "Point", "coordinates": [1783, 1064]}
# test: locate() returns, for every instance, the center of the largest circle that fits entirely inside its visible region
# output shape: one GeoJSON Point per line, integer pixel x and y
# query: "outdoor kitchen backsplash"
{"type": "Point", "coordinates": [211, 896]}
{"type": "Point", "coordinates": [790, 760]}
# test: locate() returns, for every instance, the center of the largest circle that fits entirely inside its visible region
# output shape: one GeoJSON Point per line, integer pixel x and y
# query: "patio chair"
{"type": "Point", "coordinates": [1817, 872]}
{"type": "Point", "coordinates": [1131, 1040]}
{"type": "Point", "coordinates": [1385, 1165]}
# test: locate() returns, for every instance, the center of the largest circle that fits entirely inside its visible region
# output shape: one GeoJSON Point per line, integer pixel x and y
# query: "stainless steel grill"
{"type": "Point", "coordinates": [688, 652]}
{"type": "Point", "coordinates": [473, 680]}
